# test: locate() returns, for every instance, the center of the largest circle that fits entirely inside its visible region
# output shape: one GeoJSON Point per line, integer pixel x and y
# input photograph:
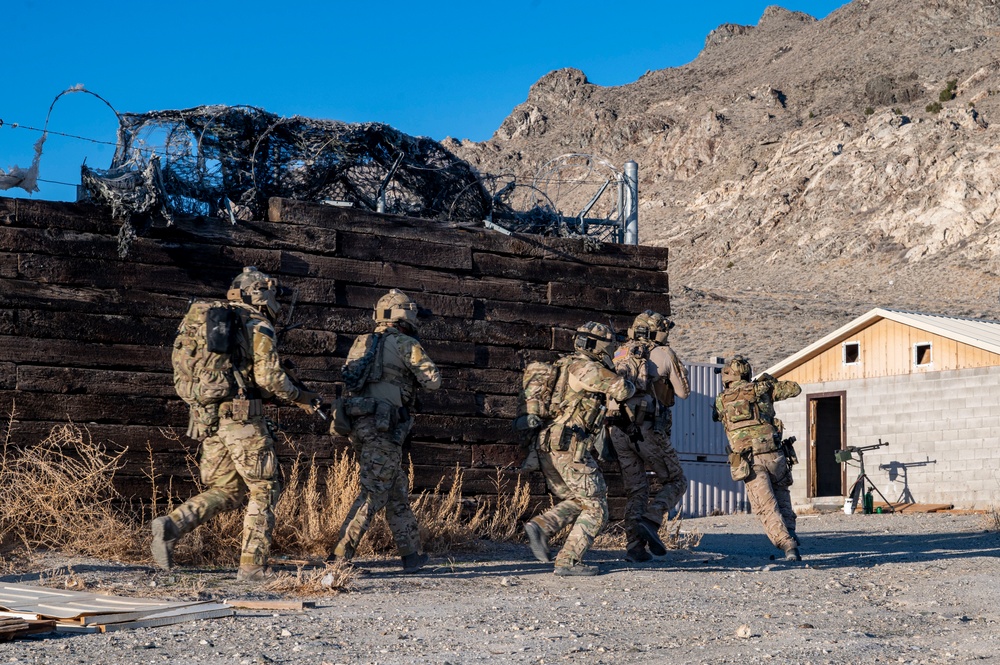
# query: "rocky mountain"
{"type": "Point", "coordinates": [801, 171]}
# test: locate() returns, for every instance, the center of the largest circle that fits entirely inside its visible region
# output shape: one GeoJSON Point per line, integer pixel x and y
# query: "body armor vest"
{"type": "Point", "coordinates": [740, 408]}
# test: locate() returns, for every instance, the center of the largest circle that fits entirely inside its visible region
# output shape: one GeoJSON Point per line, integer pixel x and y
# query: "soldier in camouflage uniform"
{"type": "Point", "coordinates": [641, 431]}
{"type": "Point", "coordinates": [746, 410]}
{"type": "Point", "coordinates": [585, 382]}
{"type": "Point", "coordinates": [238, 457]}
{"type": "Point", "coordinates": [380, 421]}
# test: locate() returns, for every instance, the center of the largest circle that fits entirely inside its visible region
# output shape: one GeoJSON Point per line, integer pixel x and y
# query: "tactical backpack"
{"type": "Point", "coordinates": [368, 367]}
{"type": "Point", "coordinates": [631, 362]}
{"type": "Point", "coordinates": [543, 387]}
{"type": "Point", "coordinates": [739, 407]}
{"type": "Point", "coordinates": [202, 358]}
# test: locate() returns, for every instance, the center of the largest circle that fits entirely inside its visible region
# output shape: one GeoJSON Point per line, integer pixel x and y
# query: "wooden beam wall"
{"type": "Point", "coordinates": [85, 335]}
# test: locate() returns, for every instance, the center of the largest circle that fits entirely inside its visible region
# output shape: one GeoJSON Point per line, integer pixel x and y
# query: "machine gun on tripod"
{"type": "Point", "coordinates": [858, 488]}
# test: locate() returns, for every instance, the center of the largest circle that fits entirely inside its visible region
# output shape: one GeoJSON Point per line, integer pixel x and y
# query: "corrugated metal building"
{"type": "Point", "coordinates": [928, 385]}
{"type": "Point", "coordinates": [701, 444]}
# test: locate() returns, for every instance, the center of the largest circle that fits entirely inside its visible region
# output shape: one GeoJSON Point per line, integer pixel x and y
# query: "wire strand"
{"type": "Point", "coordinates": [16, 125]}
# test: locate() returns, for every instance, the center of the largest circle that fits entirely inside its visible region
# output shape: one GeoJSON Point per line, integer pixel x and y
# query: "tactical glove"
{"type": "Point", "coordinates": [308, 401]}
{"type": "Point", "coordinates": [527, 422]}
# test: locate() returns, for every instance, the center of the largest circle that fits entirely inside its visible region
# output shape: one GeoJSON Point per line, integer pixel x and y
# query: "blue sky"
{"type": "Point", "coordinates": [433, 69]}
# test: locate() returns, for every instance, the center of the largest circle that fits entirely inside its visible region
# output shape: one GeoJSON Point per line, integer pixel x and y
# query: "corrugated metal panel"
{"type": "Point", "coordinates": [694, 435]}
{"type": "Point", "coordinates": [700, 442]}
{"type": "Point", "coordinates": [712, 490]}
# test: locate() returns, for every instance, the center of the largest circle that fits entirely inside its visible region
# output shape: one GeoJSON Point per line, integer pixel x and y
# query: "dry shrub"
{"type": "Point", "coordinates": [332, 579]}
{"type": "Point", "coordinates": [59, 494]}
{"type": "Point", "coordinates": [991, 519]}
{"type": "Point", "coordinates": [675, 540]}
{"type": "Point", "coordinates": [502, 521]}
{"type": "Point", "coordinates": [314, 504]}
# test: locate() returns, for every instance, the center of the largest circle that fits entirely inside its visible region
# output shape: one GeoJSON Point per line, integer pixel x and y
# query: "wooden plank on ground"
{"type": "Point", "coordinates": [171, 617]}
{"type": "Point", "coordinates": [290, 605]}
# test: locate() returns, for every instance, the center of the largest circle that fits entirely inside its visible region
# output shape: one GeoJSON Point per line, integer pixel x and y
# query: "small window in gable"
{"type": "Point", "coordinates": [922, 354]}
{"type": "Point", "coordinates": [852, 353]}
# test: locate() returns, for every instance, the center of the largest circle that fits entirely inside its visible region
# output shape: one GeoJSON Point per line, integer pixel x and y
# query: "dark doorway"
{"type": "Point", "coordinates": [827, 433]}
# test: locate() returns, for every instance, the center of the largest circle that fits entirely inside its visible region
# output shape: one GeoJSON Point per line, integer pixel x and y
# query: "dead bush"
{"type": "Point", "coordinates": [332, 579]}
{"type": "Point", "coordinates": [502, 519]}
{"type": "Point", "coordinates": [991, 519]}
{"type": "Point", "coordinates": [59, 494]}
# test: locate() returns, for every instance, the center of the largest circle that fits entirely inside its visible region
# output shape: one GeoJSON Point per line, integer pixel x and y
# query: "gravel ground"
{"type": "Point", "coordinates": [871, 589]}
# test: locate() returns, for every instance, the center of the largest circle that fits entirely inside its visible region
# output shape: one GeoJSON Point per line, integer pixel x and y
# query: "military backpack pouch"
{"type": "Point", "coordinates": [360, 406]}
{"type": "Point", "coordinates": [218, 330]}
{"type": "Point", "coordinates": [385, 415]}
{"type": "Point", "coordinates": [739, 466]}
{"type": "Point", "coordinates": [340, 422]}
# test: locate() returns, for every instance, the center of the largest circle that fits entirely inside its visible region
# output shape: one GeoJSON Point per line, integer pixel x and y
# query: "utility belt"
{"type": "Point", "coordinates": [562, 438]}
{"type": "Point", "coordinates": [757, 446]}
{"type": "Point", "coordinates": [242, 409]}
{"type": "Point", "coordinates": [387, 416]}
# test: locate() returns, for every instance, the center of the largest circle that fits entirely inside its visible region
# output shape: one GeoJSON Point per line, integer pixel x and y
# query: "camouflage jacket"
{"type": "Point", "coordinates": [588, 386]}
{"type": "Point", "coordinates": [759, 431]}
{"type": "Point", "coordinates": [403, 366]}
{"type": "Point", "coordinates": [258, 357]}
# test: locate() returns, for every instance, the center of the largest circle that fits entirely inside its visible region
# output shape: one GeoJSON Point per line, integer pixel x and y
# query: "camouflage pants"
{"type": "Point", "coordinates": [767, 487]}
{"type": "Point", "coordinates": [654, 452]}
{"type": "Point", "coordinates": [583, 503]}
{"type": "Point", "coordinates": [384, 484]}
{"type": "Point", "coordinates": [238, 460]}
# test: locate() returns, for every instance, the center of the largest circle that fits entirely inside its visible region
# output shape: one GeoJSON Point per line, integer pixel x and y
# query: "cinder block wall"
{"type": "Point", "coordinates": [85, 335]}
{"type": "Point", "coordinates": [947, 421]}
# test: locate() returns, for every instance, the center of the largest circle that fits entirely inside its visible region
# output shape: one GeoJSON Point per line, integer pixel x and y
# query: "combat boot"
{"type": "Point", "coordinates": [345, 557]}
{"type": "Point", "coordinates": [165, 536]}
{"type": "Point", "coordinates": [577, 570]}
{"type": "Point", "coordinates": [250, 573]}
{"type": "Point", "coordinates": [538, 542]}
{"type": "Point", "coordinates": [792, 554]}
{"type": "Point", "coordinates": [414, 562]}
{"type": "Point", "coordinates": [636, 552]}
{"type": "Point", "coordinates": [650, 533]}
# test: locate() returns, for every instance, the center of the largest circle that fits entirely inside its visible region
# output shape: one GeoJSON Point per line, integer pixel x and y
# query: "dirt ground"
{"type": "Point", "coordinates": [916, 588]}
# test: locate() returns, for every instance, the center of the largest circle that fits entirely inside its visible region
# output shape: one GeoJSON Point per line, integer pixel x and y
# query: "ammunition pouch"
{"type": "Point", "coordinates": [340, 422]}
{"type": "Point", "coordinates": [594, 414]}
{"type": "Point", "coordinates": [386, 414]}
{"type": "Point", "coordinates": [740, 464]}
{"type": "Point", "coordinates": [203, 421]}
{"type": "Point", "coordinates": [242, 409]}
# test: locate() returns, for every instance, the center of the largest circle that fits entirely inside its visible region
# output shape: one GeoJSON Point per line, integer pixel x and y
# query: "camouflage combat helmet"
{"type": "Point", "coordinates": [594, 340]}
{"type": "Point", "coordinates": [255, 288]}
{"type": "Point", "coordinates": [652, 326]}
{"type": "Point", "coordinates": [737, 369]}
{"type": "Point", "coordinates": [396, 307]}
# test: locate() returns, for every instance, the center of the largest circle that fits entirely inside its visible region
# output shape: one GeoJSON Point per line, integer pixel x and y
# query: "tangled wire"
{"type": "Point", "coordinates": [229, 160]}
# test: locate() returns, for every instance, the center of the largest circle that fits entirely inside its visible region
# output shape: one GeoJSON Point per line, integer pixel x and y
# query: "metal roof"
{"type": "Point", "coordinates": [974, 332]}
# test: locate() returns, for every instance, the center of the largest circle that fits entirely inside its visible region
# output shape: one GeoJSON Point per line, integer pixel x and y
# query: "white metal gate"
{"type": "Point", "coordinates": [701, 445]}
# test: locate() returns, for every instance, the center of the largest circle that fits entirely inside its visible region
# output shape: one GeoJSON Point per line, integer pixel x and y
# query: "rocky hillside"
{"type": "Point", "coordinates": [800, 171]}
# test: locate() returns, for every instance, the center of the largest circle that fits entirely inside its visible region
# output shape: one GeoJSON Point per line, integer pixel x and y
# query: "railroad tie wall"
{"type": "Point", "coordinates": [87, 318]}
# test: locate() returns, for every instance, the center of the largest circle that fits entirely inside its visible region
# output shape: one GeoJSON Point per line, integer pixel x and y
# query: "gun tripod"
{"type": "Point", "coordinates": [863, 485]}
